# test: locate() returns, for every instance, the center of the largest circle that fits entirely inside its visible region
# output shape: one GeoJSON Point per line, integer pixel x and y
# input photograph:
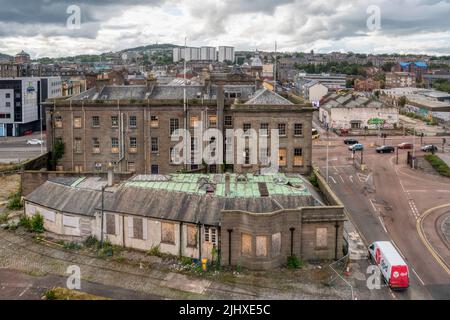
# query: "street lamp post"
{"type": "Point", "coordinates": [327, 162]}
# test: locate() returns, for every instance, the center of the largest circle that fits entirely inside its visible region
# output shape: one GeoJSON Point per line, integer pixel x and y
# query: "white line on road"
{"type": "Point", "coordinates": [382, 224]}
{"type": "Point", "coordinates": [342, 179]}
{"type": "Point", "coordinates": [331, 177]}
{"type": "Point", "coordinates": [351, 179]}
{"type": "Point", "coordinates": [420, 279]}
{"type": "Point", "coordinates": [25, 290]}
{"type": "Point", "coordinates": [373, 206]}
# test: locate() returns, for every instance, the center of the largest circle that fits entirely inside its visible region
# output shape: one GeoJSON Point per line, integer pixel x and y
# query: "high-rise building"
{"type": "Point", "coordinates": [208, 54]}
{"type": "Point", "coordinates": [226, 54]}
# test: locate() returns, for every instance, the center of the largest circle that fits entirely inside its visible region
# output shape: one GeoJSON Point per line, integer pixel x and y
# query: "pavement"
{"type": "Point", "coordinates": [385, 202]}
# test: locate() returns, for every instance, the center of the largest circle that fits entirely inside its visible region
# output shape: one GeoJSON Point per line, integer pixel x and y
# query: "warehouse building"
{"type": "Point", "coordinates": [250, 220]}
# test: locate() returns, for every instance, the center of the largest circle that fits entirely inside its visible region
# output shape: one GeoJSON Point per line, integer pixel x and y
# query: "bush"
{"type": "Point", "coordinates": [155, 251]}
{"type": "Point", "coordinates": [186, 261]}
{"type": "Point", "coordinates": [50, 294]}
{"type": "Point", "coordinates": [72, 246]}
{"type": "Point", "coordinates": [293, 262]}
{"type": "Point", "coordinates": [25, 222]}
{"type": "Point", "coordinates": [313, 180]}
{"type": "Point", "coordinates": [438, 164]}
{"type": "Point", "coordinates": [4, 218]}
{"type": "Point", "coordinates": [15, 201]}
{"type": "Point", "coordinates": [37, 223]}
{"type": "Point", "coordinates": [91, 241]}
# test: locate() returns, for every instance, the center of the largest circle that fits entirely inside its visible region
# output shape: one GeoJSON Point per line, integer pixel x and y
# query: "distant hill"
{"type": "Point", "coordinates": [5, 57]}
{"type": "Point", "coordinates": [152, 46]}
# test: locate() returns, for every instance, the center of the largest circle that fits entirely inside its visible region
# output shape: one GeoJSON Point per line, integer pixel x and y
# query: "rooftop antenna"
{"type": "Point", "coordinates": [275, 71]}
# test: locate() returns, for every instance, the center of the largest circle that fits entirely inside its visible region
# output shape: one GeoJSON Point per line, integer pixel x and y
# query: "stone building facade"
{"type": "Point", "coordinates": [131, 126]}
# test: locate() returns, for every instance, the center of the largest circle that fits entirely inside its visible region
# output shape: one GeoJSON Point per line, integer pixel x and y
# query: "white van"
{"type": "Point", "coordinates": [392, 266]}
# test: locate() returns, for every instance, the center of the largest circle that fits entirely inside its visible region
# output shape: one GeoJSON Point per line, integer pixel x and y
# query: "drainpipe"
{"type": "Point", "coordinates": [181, 240]}
{"type": "Point", "coordinates": [292, 241]}
{"type": "Point", "coordinates": [229, 246]}
{"type": "Point", "coordinates": [336, 241]}
{"type": "Point", "coordinates": [103, 210]}
{"type": "Point", "coordinates": [123, 231]}
{"type": "Point", "coordinates": [199, 241]}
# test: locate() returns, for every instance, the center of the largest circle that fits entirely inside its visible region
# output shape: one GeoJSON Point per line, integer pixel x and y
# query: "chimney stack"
{"type": "Point", "coordinates": [227, 184]}
{"type": "Point", "coordinates": [110, 175]}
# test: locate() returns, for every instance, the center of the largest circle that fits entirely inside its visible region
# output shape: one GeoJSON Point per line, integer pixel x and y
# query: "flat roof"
{"type": "Point", "coordinates": [241, 185]}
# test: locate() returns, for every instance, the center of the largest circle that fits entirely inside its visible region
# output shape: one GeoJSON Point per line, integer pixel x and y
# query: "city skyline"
{"type": "Point", "coordinates": [295, 25]}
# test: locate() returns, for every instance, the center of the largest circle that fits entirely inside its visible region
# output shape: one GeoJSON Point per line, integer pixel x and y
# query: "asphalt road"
{"type": "Point", "coordinates": [384, 203]}
{"type": "Point", "coordinates": [16, 149]}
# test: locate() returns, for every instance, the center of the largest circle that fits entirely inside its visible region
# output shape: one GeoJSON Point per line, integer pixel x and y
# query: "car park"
{"type": "Point", "coordinates": [385, 149]}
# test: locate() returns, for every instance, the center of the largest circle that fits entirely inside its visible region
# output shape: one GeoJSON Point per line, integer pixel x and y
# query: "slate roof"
{"type": "Point", "coordinates": [159, 203]}
{"type": "Point", "coordinates": [265, 96]}
{"type": "Point", "coordinates": [176, 92]}
{"type": "Point", "coordinates": [64, 198]}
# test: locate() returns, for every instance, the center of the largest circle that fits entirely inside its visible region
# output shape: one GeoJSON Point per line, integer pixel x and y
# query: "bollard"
{"type": "Point", "coordinates": [204, 262]}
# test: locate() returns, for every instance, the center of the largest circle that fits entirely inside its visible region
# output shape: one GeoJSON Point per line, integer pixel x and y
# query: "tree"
{"type": "Point", "coordinates": [57, 153]}
{"type": "Point", "coordinates": [402, 101]}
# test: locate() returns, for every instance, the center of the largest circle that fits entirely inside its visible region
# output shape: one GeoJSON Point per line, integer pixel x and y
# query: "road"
{"type": "Point", "coordinates": [386, 201]}
{"type": "Point", "coordinates": [16, 149]}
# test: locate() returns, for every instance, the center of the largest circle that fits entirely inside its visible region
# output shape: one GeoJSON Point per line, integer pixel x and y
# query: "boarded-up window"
{"type": "Point", "coordinates": [110, 224]}
{"type": "Point", "coordinates": [282, 157]}
{"type": "Point", "coordinates": [321, 237]}
{"type": "Point", "coordinates": [138, 228]}
{"type": "Point", "coordinates": [276, 244]}
{"type": "Point", "coordinates": [246, 244]}
{"type": "Point", "coordinates": [261, 246]}
{"type": "Point", "coordinates": [70, 221]}
{"type": "Point", "coordinates": [192, 236]}
{"type": "Point", "coordinates": [167, 232]}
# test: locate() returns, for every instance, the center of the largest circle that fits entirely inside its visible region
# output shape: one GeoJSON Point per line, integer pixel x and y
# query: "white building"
{"type": "Point", "coordinates": [356, 112]}
{"type": "Point", "coordinates": [226, 54]}
{"type": "Point", "coordinates": [314, 91]}
{"type": "Point", "coordinates": [20, 102]}
{"type": "Point", "coordinates": [208, 54]}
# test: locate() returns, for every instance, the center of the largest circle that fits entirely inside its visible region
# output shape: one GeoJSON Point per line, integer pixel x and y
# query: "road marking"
{"type": "Point", "coordinates": [331, 177]}
{"type": "Point", "coordinates": [351, 179]}
{"type": "Point", "coordinates": [420, 279]}
{"type": "Point", "coordinates": [392, 294]}
{"type": "Point", "coordinates": [373, 205]}
{"type": "Point", "coordinates": [342, 179]}
{"type": "Point", "coordinates": [25, 290]}
{"type": "Point", "coordinates": [424, 239]}
{"type": "Point", "coordinates": [382, 224]}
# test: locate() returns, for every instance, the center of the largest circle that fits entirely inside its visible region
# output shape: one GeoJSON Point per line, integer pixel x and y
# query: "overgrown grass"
{"type": "Point", "coordinates": [33, 224]}
{"type": "Point", "coordinates": [438, 164]}
{"type": "Point", "coordinates": [293, 262]}
{"type": "Point", "coordinates": [313, 179]}
{"type": "Point", "coordinates": [66, 294]}
{"type": "Point", "coordinates": [4, 217]}
{"type": "Point", "coordinates": [15, 201]}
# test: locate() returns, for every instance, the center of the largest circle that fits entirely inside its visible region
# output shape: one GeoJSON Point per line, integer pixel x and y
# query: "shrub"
{"type": "Point", "coordinates": [438, 164]}
{"type": "Point", "coordinates": [25, 222]}
{"type": "Point", "coordinates": [155, 251]}
{"type": "Point", "coordinates": [293, 262]}
{"type": "Point", "coordinates": [15, 201]}
{"type": "Point", "coordinates": [37, 223]}
{"type": "Point", "coordinates": [91, 241]}
{"type": "Point", "coordinates": [72, 246]}
{"type": "Point", "coordinates": [50, 294]}
{"type": "Point", "coordinates": [186, 261]}
{"type": "Point", "coordinates": [313, 180]}
{"type": "Point", "coordinates": [4, 218]}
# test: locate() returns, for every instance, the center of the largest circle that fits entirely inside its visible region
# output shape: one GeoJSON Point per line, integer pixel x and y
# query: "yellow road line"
{"type": "Point", "coordinates": [425, 241]}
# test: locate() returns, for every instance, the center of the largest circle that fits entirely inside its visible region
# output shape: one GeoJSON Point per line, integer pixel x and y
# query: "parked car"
{"type": "Point", "coordinates": [405, 145]}
{"type": "Point", "coordinates": [35, 141]}
{"type": "Point", "coordinates": [385, 149]}
{"type": "Point", "coordinates": [429, 148]}
{"type": "Point", "coordinates": [356, 147]}
{"type": "Point", "coordinates": [392, 266]}
{"type": "Point", "coordinates": [350, 141]}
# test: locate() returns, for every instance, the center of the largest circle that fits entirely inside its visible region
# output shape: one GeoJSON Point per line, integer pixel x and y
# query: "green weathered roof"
{"type": "Point", "coordinates": [242, 186]}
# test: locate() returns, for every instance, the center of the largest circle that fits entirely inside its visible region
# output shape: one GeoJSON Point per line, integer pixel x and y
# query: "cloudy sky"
{"type": "Point", "coordinates": [40, 27]}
